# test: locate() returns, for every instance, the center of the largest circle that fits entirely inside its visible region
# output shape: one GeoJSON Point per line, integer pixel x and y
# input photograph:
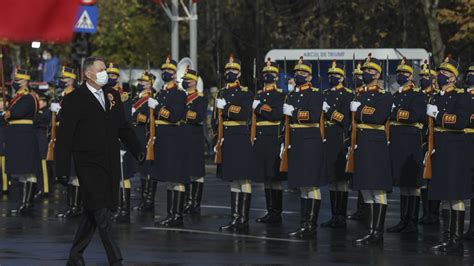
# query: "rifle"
{"type": "Point", "coordinates": [220, 122]}
{"type": "Point", "coordinates": [284, 156]}
{"type": "Point", "coordinates": [253, 128]}
{"type": "Point", "coordinates": [321, 118]}
{"type": "Point", "coordinates": [427, 169]}
{"type": "Point", "coordinates": [150, 146]}
{"type": "Point", "coordinates": [387, 124]}
{"type": "Point", "coordinates": [52, 133]}
{"type": "Point", "coordinates": [350, 154]}
{"type": "Point", "coordinates": [3, 79]}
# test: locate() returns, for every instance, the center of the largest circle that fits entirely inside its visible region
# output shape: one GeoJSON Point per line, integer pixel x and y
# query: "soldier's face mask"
{"type": "Point", "coordinates": [185, 84]}
{"type": "Point", "coordinates": [112, 82]}
{"type": "Point", "coordinates": [140, 87]}
{"type": "Point", "coordinates": [334, 80]}
{"type": "Point", "coordinates": [231, 76]}
{"type": "Point", "coordinates": [62, 84]}
{"type": "Point", "coordinates": [425, 82]}
{"type": "Point", "coordinates": [402, 79]}
{"type": "Point", "coordinates": [470, 79]}
{"type": "Point", "coordinates": [291, 87]}
{"type": "Point", "coordinates": [269, 78]}
{"type": "Point", "coordinates": [16, 85]}
{"type": "Point", "coordinates": [167, 76]}
{"type": "Point", "coordinates": [358, 81]}
{"type": "Point", "coordinates": [368, 77]}
{"type": "Point", "coordinates": [300, 79]}
{"type": "Point", "coordinates": [442, 79]}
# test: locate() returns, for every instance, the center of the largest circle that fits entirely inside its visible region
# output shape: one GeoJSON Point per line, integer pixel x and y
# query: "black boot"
{"type": "Point", "coordinates": [240, 208]}
{"type": "Point", "coordinates": [470, 231]}
{"type": "Point", "coordinates": [148, 204]}
{"type": "Point", "coordinates": [333, 199]}
{"type": "Point", "coordinates": [120, 205]}
{"type": "Point", "coordinates": [193, 198]}
{"type": "Point", "coordinates": [69, 191]}
{"type": "Point", "coordinates": [403, 216]}
{"type": "Point", "coordinates": [370, 225]}
{"type": "Point", "coordinates": [144, 183]}
{"type": "Point", "coordinates": [380, 210]}
{"type": "Point", "coordinates": [441, 244]}
{"type": "Point", "coordinates": [359, 214]}
{"type": "Point", "coordinates": [413, 210]}
{"type": "Point", "coordinates": [123, 215]}
{"type": "Point", "coordinates": [274, 207]}
{"type": "Point", "coordinates": [454, 244]}
{"type": "Point", "coordinates": [341, 211]}
{"type": "Point", "coordinates": [433, 218]}
{"type": "Point", "coordinates": [425, 206]}
{"type": "Point", "coordinates": [175, 206]}
{"type": "Point", "coordinates": [75, 209]}
{"type": "Point", "coordinates": [26, 205]}
{"type": "Point", "coordinates": [309, 220]}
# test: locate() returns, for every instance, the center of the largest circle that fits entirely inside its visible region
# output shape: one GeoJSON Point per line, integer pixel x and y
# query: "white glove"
{"type": "Point", "coordinates": [152, 103]}
{"type": "Point", "coordinates": [255, 104]}
{"type": "Point", "coordinates": [55, 107]}
{"type": "Point", "coordinates": [222, 143]}
{"type": "Point", "coordinates": [221, 103]}
{"type": "Point", "coordinates": [288, 109]}
{"type": "Point", "coordinates": [432, 152]}
{"type": "Point", "coordinates": [326, 106]}
{"type": "Point", "coordinates": [354, 106]}
{"type": "Point", "coordinates": [432, 110]}
{"type": "Point", "coordinates": [133, 110]}
{"type": "Point", "coordinates": [282, 149]}
{"type": "Point", "coordinates": [393, 106]}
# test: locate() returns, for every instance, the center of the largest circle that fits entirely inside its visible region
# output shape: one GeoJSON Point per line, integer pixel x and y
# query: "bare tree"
{"type": "Point", "coordinates": [437, 45]}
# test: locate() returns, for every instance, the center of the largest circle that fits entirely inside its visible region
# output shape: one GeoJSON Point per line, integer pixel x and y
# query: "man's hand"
{"type": "Point", "coordinates": [432, 110]}
{"type": "Point", "coordinates": [288, 109]}
{"type": "Point", "coordinates": [152, 103]}
{"type": "Point", "coordinates": [221, 103]}
{"type": "Point", "coordinates": [141, 158]}
{"type": "Point", "coordinates": [255, 104]}
{"type": "Point", "coordinates": [354, 106]}
{"type": "Point", "coordinates": [326, 107]}
{"type": "Point", "coordinates": [55, 107]}
{"type": "Point", "coordinates": [63, 180]}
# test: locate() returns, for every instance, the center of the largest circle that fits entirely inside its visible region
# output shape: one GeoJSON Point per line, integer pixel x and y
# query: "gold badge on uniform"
{"type": "Point", "coordinates": [110, 96]}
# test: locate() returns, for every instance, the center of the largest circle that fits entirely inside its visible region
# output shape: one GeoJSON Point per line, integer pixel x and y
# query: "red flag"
{"type": "Point", "coordinates": [44, 20]}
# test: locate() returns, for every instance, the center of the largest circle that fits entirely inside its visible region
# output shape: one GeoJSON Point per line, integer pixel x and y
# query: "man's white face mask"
{"type": "Point", "coordinates": [101, 78]}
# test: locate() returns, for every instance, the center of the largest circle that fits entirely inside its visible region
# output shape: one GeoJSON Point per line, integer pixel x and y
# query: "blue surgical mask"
{"type": "Point", "coordinates": [231, 77]}
{"type": "Point", "coordinates": [401, 79]}
{"type": "Point", "coordinates": [425, 83]}
{"type": "Point", "coordinates": [442, 79]}
{"type": "Point", "coordinates": [268, 78]}
{"type": "Point", "coordinates": [300, 80]}
{"type": "Point", "coordinates": [368, 77]}
{"type": "Point", "coordinates": [334, 81]}
{"type": "Point", "coordinates": [291, 87]}
{"type": "Point", "coordinates": [167, 76]}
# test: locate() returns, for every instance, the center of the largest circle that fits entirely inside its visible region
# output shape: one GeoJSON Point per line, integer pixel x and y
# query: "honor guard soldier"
{"type": "Point", "coordinates": [451, 182]}
{"type": "Point", "coordinates": [169, 109]}
{"type": "Point", "coordinates": [406, 152]}
{"type": "Point", "coordinates": [67, 84]}
{"type": "Point", "coordinates": [470, 139]}
{"type": "Point", "coordinates": [358, 88]}
{"type": "Point", "coordinates": [234, 107]}
{"type": "Point", "coordinates": [303, 109]}
{"type": "Point", "coordinates": [5, 181]}
{"type": "Point", "coordinates": [336, 107]}
{"type": "Point", "coordinates": [372, 157]}
{"type": "Point", "coordinates": [429, 87]}
{"type": "Point", "coordinates": [41, 122]}
{"type": "Point", "coordinates": [195, 115]}
{"type": "Point", "coordinates": [140, 114]}
{"type": "Point", "coordinates": [268, 114]}
{"type": "Point", "coordinates": [123, 211]}
{"type": "Point", "coordinates": [21, 146]}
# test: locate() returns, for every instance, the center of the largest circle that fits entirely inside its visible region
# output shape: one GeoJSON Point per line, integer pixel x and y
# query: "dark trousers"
{"type": "Point", "coordinates": [91, 220]}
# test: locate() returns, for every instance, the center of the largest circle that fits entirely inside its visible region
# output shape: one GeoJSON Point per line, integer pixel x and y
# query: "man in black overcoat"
{"type": "Point", "coordinates": [92, 124]}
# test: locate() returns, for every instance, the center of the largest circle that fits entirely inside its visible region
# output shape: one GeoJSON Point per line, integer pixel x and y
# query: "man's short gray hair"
{"type": "Point", "coordinates": [90, 61]}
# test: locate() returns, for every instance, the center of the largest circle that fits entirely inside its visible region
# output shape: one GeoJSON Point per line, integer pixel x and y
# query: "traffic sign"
{"type": "Point", "coordinates": [87, 19]}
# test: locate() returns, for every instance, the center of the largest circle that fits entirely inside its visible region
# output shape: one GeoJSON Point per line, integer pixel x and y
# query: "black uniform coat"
{"type": "Point", "coordinates": [451, 180]}
{"type": "Point", "coordinates": [338, 119]}
{"type": "Point", "coordinates": [92, 136]}
{"type": "Point", "coordinates": [266, 146]}
{"type": "Point", "coordinates": [470, 135]}
{"type": "Point", "coordinates": [305, 156]}
{"type": "Point", "coordinates": [41, 123]}
{"type": "Point", "coordinates": [236, 148]}
{"type": "Point", "coordinates": [140, 116]}
{"type": "Point", "coordinates": [372, 156]}
{"type": "Point", "coordinates": [128, 161]}
{"type": "Point", "coordinates": [21, 146]}
{"type": "Point", "coordinates": [406, 140]}
{"type": "Point", "coordinates": [170, 153]}
{"type": "Point", "coordinates": [196, 108]}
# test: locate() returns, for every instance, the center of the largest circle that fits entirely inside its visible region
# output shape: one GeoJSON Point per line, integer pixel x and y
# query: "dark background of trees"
{"type": "Point", "coordinates": [131, 29]}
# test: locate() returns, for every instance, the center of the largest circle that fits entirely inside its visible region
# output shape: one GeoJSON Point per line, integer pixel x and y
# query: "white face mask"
{"type": "Point", "coordinates": [291, 87]}
{"type": "Point", "coordinates": [102, 78]}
